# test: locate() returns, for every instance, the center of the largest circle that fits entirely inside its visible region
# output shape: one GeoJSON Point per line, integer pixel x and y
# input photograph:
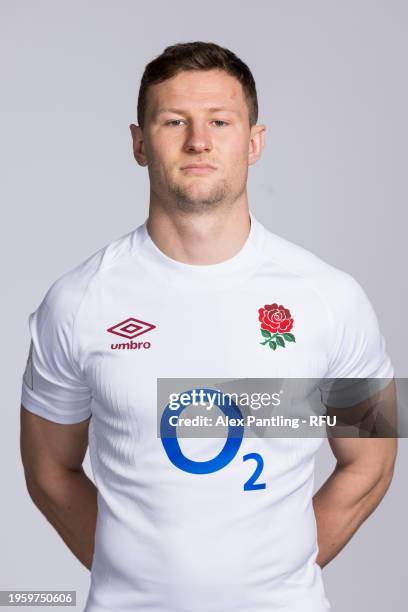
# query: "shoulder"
{"type": "Point", "coordinates": [67, 292]}
{"type": "Point", "coordinates": [337, 287]}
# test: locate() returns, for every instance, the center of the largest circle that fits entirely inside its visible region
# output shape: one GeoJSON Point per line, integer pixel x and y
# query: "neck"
{"type": "Point", "coordinates": [200, 238]}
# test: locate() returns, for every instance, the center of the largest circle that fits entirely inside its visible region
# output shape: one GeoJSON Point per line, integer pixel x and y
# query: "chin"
{"type": "Point", "coordinates": [199, 194]}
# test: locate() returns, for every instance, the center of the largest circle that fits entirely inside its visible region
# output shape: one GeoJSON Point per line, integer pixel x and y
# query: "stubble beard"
{"type": "Point", "coordinates": [185, 201]}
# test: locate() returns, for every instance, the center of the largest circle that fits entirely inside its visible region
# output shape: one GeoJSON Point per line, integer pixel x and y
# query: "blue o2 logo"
{"type": "Point", "coordinates": [168, 434]}
{"type": "Point", "coordinates": [251, 484]}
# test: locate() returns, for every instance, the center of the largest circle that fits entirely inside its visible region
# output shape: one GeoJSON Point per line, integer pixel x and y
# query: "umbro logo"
{"type": "Point", "coordinates": [131, 328]}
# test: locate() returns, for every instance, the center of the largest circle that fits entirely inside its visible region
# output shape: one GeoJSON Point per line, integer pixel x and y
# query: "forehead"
{"type": "Point", "coordinates": [197, 89]}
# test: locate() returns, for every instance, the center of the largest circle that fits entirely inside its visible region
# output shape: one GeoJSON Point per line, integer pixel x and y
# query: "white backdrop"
{"type": "Point", "coordinates": [332, 87]}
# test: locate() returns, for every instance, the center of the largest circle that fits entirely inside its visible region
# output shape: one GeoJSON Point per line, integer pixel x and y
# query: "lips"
{"type": "Point", "coordinates": [198, 168]}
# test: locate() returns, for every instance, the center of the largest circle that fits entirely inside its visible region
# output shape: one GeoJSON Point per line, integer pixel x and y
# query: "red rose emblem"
{"type": "Point", "coordinates": [275, 318]}
{"type": "Point", "coordinates": [276, 323]}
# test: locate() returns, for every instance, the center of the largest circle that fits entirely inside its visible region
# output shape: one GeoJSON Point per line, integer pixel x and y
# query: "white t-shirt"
{"type": "Point", "coordinates": [169, 539]}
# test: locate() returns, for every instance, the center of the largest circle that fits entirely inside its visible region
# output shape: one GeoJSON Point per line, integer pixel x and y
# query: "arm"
{"type": "Point", "coordinates": [52, 456]}
{"type": "Point", "coordinates": [358, 483]}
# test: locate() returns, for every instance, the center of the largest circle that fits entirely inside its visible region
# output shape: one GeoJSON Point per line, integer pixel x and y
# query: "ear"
{"type": "Point", "coordinates": [256, 143]}
{"type": "Point", "coordinates": [138, 146]}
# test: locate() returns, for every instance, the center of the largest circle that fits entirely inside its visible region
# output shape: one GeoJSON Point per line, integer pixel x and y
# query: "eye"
{"type": "Point", "coordinates": [220, 122]}
{"type": "Point", "coordinates": [174, 122]}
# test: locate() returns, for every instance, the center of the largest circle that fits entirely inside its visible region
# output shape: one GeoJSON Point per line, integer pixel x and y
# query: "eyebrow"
{"type": "Point", "coordinates": [180, 111]}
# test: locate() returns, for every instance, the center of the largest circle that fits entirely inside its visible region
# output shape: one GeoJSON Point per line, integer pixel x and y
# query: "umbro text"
{"type": "Point", "coordinates": [131, 345]}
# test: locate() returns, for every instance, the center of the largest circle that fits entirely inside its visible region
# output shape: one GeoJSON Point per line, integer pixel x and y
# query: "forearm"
{"type": "Point", "coordinates": [342, 504]}
{"type": "Point", "coordinates": [68, 501]}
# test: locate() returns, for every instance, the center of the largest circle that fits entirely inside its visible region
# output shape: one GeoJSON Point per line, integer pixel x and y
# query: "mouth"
{"type": "Point", "coordinates": [198, 168]}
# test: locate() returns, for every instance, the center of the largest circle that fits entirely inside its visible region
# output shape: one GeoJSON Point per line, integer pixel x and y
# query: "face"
{"type": "Point", "coordinates": [196, 140]}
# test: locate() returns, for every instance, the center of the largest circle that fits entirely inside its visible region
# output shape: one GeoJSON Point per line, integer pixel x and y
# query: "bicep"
{"type": "Point", "coordinates": [373, 455]}
{"type": "Point", "coordinates": [48, 447]}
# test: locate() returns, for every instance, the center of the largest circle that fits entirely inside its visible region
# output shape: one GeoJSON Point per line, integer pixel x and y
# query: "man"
{"type": "Point", "coordinates": [201, 289]}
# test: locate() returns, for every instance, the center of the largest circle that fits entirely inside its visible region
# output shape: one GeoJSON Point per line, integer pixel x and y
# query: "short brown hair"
{"type": "Point", "coordinates": [197, 56]}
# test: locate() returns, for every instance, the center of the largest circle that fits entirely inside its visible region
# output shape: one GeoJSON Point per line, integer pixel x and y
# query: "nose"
{"type": "Point", "coordinates": [198, 138]}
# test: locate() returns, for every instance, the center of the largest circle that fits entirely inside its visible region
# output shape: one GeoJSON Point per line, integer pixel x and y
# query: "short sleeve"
{"type": "Point", "coordinates": [357, 348]}
{"type": "Point", "coordinates": [53, 386]}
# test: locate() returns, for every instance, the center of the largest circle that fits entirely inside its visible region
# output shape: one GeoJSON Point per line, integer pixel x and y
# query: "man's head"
{"type": "Point", "coordinates": [197, 105]}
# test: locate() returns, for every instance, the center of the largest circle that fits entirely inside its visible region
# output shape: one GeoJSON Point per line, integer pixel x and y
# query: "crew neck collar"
{"type": "Point", "coordinates": [224, 273]}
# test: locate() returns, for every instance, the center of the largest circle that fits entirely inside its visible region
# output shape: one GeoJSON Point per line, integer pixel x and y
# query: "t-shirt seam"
{"type": "Point", "coordinates": [74, 324]}
{"type": "Point", "coordinates": [101, 268]}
